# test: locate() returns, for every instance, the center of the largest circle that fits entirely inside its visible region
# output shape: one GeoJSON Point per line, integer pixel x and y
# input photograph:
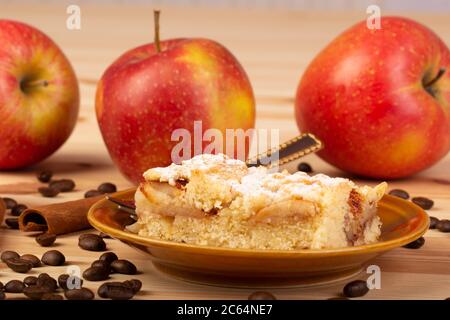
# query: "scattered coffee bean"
{"type": "Point", "coordinates": [14, 286]}
{"type": "Point", "coordinates": [6, 255]}
{"type": "Point", "coordinates": [10, 203]}
{"type": "Point", "coordinates": [13, 223]}
{"type": "Point", "coordinates": [45, 176]}
{"type": "Point", "coordinates": [433, 222]}
{"type": "Point", "coordinates": [53, 258]}
{"type": "Point", "coordinates": [63, 185]}
{"type": "Point", "coordinates": [1, 286]}
{"type": "Point", "coordinates": [415, 244]}
{"type": "Point", "coordinates": [48, 192]}
{"type": "Point", "coordinates": [119, 292]}
{"type": "Point", "coordinates": [91, 242]}
{"type": "Point", "coordinates": [96, 273]}
{"type": "Point", "coordinates": [443, 225]}
{"type": "Point", "coordinates": [36, 292]}
{"type": "Point", "coordinates": [109, 257]}
{"type": "Point", "coordinates": [2, 295]}
{"type": "Point", "coordinates": [123, 267]}
{"type": "Point", "coordinates": [32, 259]}
{"type": "Point", "coordinates": [67, 282]}
{"type": "Point", "coordinates": [52, 296]}
{"type": "Point", "coordinates": [103, 289]}
{"type": "Point", "coordinates": [399, 193]}
{"type": "Point", "coordinates": [30, 280]}
{"type": "Point", "coordinates": [104, 235]}
{"type": "Point", "coordinates": [92, 193]}
{"type": "Point", "coordinates": [423, 202]}
{"type": "Point", "coordinates": [134, 284]}
{"type": "Point", "coordinates": [46, 239]}
{"type": "Point", "coordinates": [45, 281]}
{"type": "Point", "coordinates": [79, 294]}
{"type": "Point", "coordinates": [304, 167]}
{"type": "Point", "coordinates": [18, 209]}
{"type": "Point", "coordinates": [19, 265]}
{"type": "Point", "coordinates": [356, 288]}
{"type": "Point", "coordinates": [261, 295]}
{"type": "Point", "coordinates": [107, 187]}
{"type": "Point", "coordinates": [101, 264]}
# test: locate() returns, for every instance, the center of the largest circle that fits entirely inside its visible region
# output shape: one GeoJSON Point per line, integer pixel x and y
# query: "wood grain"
{"type": "Point", "coordinates": [274, 47]}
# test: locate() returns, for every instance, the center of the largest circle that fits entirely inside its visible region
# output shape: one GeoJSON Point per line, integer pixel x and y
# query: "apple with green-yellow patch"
{"type": "Point", "coordinates": [156, 88]}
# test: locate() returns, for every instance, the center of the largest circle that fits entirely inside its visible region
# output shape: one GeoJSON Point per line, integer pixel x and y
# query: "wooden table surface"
{"type": "Point", "coordinates": [274, 47]}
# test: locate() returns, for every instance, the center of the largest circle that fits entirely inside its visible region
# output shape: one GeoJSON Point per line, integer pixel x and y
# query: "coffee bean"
{"type": "Point", "coordinates": [103, 289]}
{"type": "Point", "coordinates": [32, 259]}
{"type": "Point", "coordinates": [121, 292]}
{"type": "Point", "coordinates": [13, 223]}
{"type": "Point", "coordinates": [107, 187]}
{"type": "Point", "coordinates": [415, 244]}
{"type": "Point", "coordinates": [10, 203]}
{"type": "Point", "coordinates": [79, 294]}
{"type": "Point", "coordinates": [96, 273]}
{"type": "Point", "coordinates": [443, 225]}
{"type": "Point", "coordinates": [30, 280]}
{"type": "Point", "coordinates": [19, 265]}
{"type": "Point", "coordinates": [261, 295]}
{"type": "Point", "coordinates": [423, 202]}
{"type": "Point", "coordinates": [134, 284]}
{"type": "Point", "coordinates": [14, 286]}
{"type": "Point", "coordinates": [48, 192]}
{"type": "Point", "coordinates": [52, 296]}
{"type": "Point", "coordinates": [18, 209]}
{"type": "Point", "coordinates": [44, 280]}
{"type": "Point", "coordinates": [45, 176]}
{"type": "Point", "coordinates": [123, 267]}
{"type": "Point", "coordinates": [101, 264]}
{"type": "Point", "coordinates": [433, 222]}
{"type": "Point", "coordinates": [92, 193]}
{"type": "Point", "coordinates": [399, 193]}
{"type": "Point", "coordinates": [356, 288]}
{"type": "Point", "coordinates": [109, 257]}
{"type": "Point", "coordinates": [63, 185]}
{"type": "Point", "coordinates": [6, 255]}
{"type": "Point", "coordinates": [104, 235]}
{"type": "Point", "coordinates": [2, 295]}
{"type": "Point", "coordinates": [45, 239]}
{"type": "Point", "coordinates": [92, 243]}
{"type": "Point", "coordinates": [116, 291]}
{"type": "Point", "coordinates": [53, 258]}
{"type": "Point", "coordinates": [1, 286]}
{"type": "Point", "coordinates": [36, 292]}
{"type": "Point", "coordinates": [304, 167]}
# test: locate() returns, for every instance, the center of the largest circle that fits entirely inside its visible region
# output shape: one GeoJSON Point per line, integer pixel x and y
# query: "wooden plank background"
{"type": "Point", "coordinates": [274, 47]}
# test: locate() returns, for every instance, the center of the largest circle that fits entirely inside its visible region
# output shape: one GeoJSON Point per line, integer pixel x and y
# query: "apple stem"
{"type": "Point", "coordinates": [156, 14]}
{"type": "Point", "coordinates": [435, 79]}
{"type": "Point", "coordinates": [33, 84]}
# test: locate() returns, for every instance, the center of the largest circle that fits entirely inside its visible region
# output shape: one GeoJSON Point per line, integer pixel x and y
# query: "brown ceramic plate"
{"type": "Point", "coordinates": [403, 222]}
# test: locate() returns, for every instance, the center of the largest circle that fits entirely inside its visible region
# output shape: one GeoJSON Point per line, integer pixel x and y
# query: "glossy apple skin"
{"type": "Point", "coordinates": [144, 95]}
{"type": "Point", "coordinates": [33, 124]}
{"type": "Point", "coordinates": [363, 97]}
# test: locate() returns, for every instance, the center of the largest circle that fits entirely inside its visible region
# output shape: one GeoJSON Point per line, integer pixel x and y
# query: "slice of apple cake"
{"type": "Point", "coordinates": [213, 200]}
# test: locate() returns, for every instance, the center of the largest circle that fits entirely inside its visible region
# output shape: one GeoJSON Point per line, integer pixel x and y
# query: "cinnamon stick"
{"type": "Point", "coordinates": [58, 218]}
{"type": "Point", "coordinates": [2, 210]}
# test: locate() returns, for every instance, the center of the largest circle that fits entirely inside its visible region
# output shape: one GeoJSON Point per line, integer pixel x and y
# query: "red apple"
{"type": "Point", "coordinates": [39, 96]}
{"type": "Point", "coordinates": [379, 99]}
{"type": "Point", "coordinates": [148, 92]}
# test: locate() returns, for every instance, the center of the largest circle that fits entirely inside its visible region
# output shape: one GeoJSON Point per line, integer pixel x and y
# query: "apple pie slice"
{"type": "Point", "coordinates": [213, 200]}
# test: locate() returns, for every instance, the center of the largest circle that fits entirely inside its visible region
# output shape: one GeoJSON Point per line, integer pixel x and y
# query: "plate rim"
{"type": "Point", "coordinates": [268, 253]}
